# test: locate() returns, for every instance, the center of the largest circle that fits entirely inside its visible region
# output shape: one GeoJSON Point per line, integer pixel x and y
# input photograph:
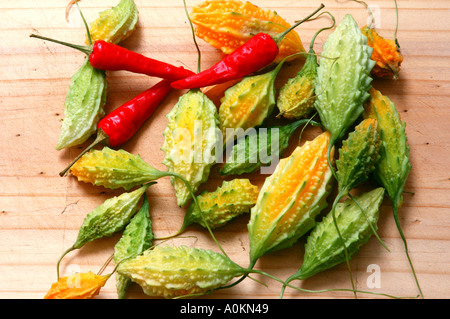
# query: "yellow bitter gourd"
{"type": "Point", "coordinates": [190, 142]}
{"type": "Point", "coordinates": [226, 25]}
{"type": "Point", "coordinates": [169, 272]}
{"type": "Point", "coordinates": [228, 201]}
{"type": "Point", "coordinates": [114, 169]}
{"type": "Point", "coordinates": [291, 198]}
{"type": "Point", "coordinates": [393, 167]}
{"type": "Point", "coordinates": [248, 103]}
{"type": "Point", "coordinates": [115, 24]}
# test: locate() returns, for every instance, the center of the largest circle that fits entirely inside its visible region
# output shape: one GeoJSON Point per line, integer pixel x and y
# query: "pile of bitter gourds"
{"type": "Point", "coordinates": [362, 138]}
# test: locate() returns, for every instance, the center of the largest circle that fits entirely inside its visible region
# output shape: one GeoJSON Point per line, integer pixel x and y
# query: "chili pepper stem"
{"type": "Point", "coordinates": [85, 49]}
{"type": "Point", "coordinates": [279, 37]}
{"type": "Point", "coordinates": [101, 138]}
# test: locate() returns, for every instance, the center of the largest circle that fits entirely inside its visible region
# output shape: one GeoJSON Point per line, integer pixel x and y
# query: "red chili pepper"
{"type": "Point", "coordinates": [112, 57]}
{"type": "Point", "coordinates": [121, 124]}
{"type": "Point", "coordinates": [256, 53]}
{"type": "Point", "coordinates": [109, 56]}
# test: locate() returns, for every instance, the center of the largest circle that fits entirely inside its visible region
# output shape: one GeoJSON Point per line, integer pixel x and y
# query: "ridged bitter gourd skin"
{"type": "Point", "coordinates": [228, 201]}
{"type": "Point", "coordinates": [393, 168]}
{"type": "Point", "coordinates": [291, 198]}
{"type": "Point", "coordinates": [297, 96]}
{"type": "Point", "coordinates": [324, 249]}
{"type": "Point", "coordinates": [358, 155]}
{"type": "Point", "coordinates": [115, 24]}
{"type": "Point", "coordinates": [226, 25]}
{"type": "Point", "coordinates": [169, 271]}
{"type": "Point", "coordinates": [343, 78]}
{"type": "Point", "coordinates": [136, 238]}
{"type": "Point", "coordinates": [190, 142]}
{"type": "Point", "coordinates": [114, 169]}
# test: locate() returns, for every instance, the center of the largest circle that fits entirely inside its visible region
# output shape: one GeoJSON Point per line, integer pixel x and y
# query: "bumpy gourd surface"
{"type": "Point", "coordinates": [115, 24]}
{"type": "Point", "coordinates": [393, 167]}
{"type": "Point", "coordinates": [261, 147]}
{"type": "Point", "coordinates": [247, 104]}
{"type": "Point", "coordinates": [342, 84]}
{"type": "Point", "coordinates": [167, 271]}
{"type": "Point", "coordinates": [385, 53]}
{"type": "Point", "coordinates": [296, 98]}
{"type": "Point", "coordinates": [324, 248]}
{"type": "Point", "coordinates": [358, 155]}
{"type": "Point", "coordinates": [228, 201]}
{"type": "Point", "coordinates": [291, 198]}
{"type": "Point", "coordinates": [111, 216]}
{"type": "Point", "coordinates": [113, 169]}
{"type": "Point", "coordinates": [137, 237]}
{"type": "Point", "coordinates": [190, 142]}
{"type": "Point", "coordinates": [87, 286]}
{"type": "Point", "coordinates": [226, 25]}
{"type": "Point", "coordinates": [83, 106]}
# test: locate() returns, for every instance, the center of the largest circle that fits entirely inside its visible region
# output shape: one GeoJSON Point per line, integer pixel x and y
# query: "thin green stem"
{"type": "Point", "coordinates": [85, 24]}
{"type": "Point", "coordinates": [311, 45]}
{"type": "Point", "coordinates": [101, 138]}
{"type": "Point", "coordinates": [194, 198]}
{"type": "Point", "coordinates": [368, 9]}
{"type": "Point", "coordinates": [279, 37]}
{"type": "Point", "coordinates": [395, 206]}
{"type": "Point", "coordinates": [106, 264]}
{"type": "Point", "coordinates": [370, 224]}
{"type": "Point", "coordinates": [347, 258]}
{"type": "Point", "coordinates": [396, 24]}
{"type": "Point", "coordinates": [60, 259]}
{"type": "Point", "coordinates": [193, 36]}
{"type": "Point", "coordinates": [344, 289]}
{"type": "Point", "coordinates": [86, 50]}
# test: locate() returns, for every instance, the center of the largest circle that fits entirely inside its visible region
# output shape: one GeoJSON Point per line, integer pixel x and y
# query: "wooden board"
{"type": "Point", "coordinates": [40, 212]}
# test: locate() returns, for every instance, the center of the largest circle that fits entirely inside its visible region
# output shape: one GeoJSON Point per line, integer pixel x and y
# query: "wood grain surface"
{"type": "Point", "coordinates": [40, 212]}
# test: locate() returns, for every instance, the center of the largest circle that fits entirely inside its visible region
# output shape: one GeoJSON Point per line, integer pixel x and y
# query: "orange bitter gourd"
{"type": "Point", "coordinates": [226, 25]}
{"type": "Point", "coordinates": [385, 53]}
{"type": "Point", "coordinates": [77, 286]}
{"type": "Point", "coordinates": [291, 198]}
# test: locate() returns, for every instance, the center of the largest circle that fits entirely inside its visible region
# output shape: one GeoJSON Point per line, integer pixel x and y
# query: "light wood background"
{"type": "Point", "coordinates": [40, 212]}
